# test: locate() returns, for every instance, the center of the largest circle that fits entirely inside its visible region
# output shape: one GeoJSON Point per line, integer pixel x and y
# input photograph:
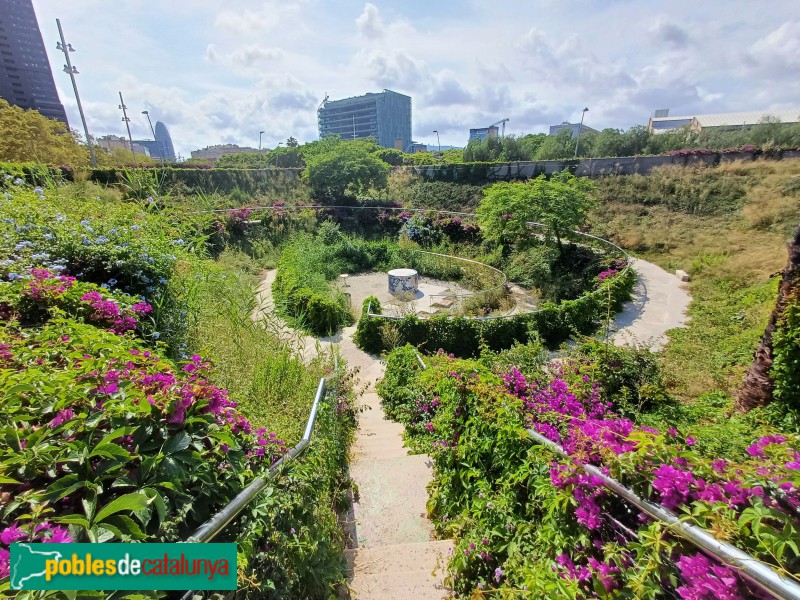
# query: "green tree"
{"type": "Point", "coordinates": [559, 203]}
{"type": "Point", "coordinates": [560, 145]}
{"type": "Point", "coordinates": [244, 160]}
{"type": "Point", "coordinates": [116, 157]}
{"type": "Point", "coordinates": [390, 156]}
{"type": "Point", "coordinates": [285, 158]}
{"type": "Point", "coordinates": [291, 142]}
{"type": "Point", "coordinates": [529, 144]}
{"type": "Point", "coordinates": [344, 169]}
{"type": "Point", "coordinates": [28, 136]}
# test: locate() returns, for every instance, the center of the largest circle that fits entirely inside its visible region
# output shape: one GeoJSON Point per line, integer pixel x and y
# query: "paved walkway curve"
{"type": "Point", "coordinates": [392, 553]}
{"type": "Point", "coordinates": [659, 304]}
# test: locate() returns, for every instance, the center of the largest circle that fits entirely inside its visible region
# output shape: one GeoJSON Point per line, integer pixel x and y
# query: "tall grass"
{"type": "Point", "coordinates": [261, 370]}
{"type": "Point", "coordinates": [731, 252]}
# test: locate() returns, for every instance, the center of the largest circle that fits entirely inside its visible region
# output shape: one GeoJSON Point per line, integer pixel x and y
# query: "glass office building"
{"type": "Point", "coordinates": [161, 147]}
{"type": "Point", "coordinates": [385, 116]}
{"type": "Point", "coordinates": [25, 76]}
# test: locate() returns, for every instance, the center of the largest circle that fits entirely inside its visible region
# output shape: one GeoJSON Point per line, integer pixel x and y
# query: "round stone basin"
{"type": "Point", "coordinates": [403, 281]}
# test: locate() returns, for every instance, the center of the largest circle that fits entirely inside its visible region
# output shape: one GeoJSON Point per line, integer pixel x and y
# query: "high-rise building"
{"type": "Point", "coordinates": [483, 132]}
{"type": "Point", "coordinates": [161, 147]}
{"type": "Point", "coordinates": [25, 76]}
{"type": "Point", "coordinates": [573, 127]}
{"type": "Point", "coordinates": [385, 116]}
{"type": "Point", "coordinates": [213, 153]}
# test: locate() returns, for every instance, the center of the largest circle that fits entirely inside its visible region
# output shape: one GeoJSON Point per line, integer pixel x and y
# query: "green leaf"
{"type": "Point", "coordinates": [133, 502]}
{"type": "Point", "coordinates": [8, 480]}
{"type": "Point", "coordinates": [64, 487]}
{"type": "Point", "coordinates": [16, 390]}
{"type": "Point", "coordinates": [117, 433]}
{"type": "Point", "coordinates": [124, 525]}
{"type": "Point", "coordinates": [176, 443]}
{"type": "Point", "coordinates": [72, 520]}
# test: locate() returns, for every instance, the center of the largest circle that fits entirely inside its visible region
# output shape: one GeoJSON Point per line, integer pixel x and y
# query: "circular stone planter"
{"type": "Point", "coordinates": [403, 281]}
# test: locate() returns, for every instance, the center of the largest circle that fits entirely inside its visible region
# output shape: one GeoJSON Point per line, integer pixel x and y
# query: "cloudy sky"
{"type": "Point", "coordinates": [221, 71]}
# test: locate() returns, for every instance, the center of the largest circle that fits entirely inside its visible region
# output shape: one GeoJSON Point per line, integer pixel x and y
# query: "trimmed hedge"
{"type": "Point", "coordinates": [552, 324]}
{"type": "Point", "coordinates": [206, 181]}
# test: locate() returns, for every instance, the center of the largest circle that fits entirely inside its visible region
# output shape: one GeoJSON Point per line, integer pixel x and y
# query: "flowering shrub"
{"type": "Point", "coordinates": [550, 527]}
{"type": "Point", "coordinates": [34, 298]}
{"type": "Point", "coordinates": [114, 245]}
{"type": "Point", "coordinates": [113, 442]}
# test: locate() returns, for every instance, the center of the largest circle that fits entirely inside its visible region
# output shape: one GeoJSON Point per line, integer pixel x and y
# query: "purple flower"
{"type": "Point", "coordinates": [673, 484]}
{"type": "Point", "coordinates": [61, 417]}
{"type": "Point", "coordinates": [11, 534]}
{"type": "Point", "coordinates": [706, 580]}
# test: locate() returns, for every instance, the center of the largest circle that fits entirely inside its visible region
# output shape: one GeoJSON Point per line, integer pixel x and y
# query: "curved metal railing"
{"type": "Point", "coordinates": [595, 238]}
{"type": "Point", "coordinates": [217, 523]}
{"type": "Point", "coordinates": [751, 568]}
{"type": "Point", "coordinates": [600, 290]}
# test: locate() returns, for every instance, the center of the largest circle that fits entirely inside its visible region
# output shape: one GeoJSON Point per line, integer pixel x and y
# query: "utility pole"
{"type": "Point", "coordinates": [127, 122]}
{"type": "Point", "coordinates": [72, 71]}
{"type": "Point", "coordinates": [159, 145]}
{"type": "Point", "coordinates": [578, 137]}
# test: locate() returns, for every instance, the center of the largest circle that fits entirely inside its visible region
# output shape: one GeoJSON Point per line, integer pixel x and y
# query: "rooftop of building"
{"type": "Point", "coordinates": [789, 115]}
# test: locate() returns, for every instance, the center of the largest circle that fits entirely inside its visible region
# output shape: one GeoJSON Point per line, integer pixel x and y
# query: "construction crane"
{"type": "Point", "coordinates": [503, 123]}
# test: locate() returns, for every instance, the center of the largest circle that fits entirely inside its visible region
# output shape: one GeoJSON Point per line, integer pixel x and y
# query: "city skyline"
{"type": "Point", "coordinates": [220, 74]}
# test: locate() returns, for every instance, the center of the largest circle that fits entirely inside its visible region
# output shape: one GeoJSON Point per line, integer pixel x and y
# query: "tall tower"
{"type": "Point", "coordinates": [385, 117]}
{"type": "Point", "coordinates": [164, 141]}
{"type": "Point", "coordinates": [25, 76]}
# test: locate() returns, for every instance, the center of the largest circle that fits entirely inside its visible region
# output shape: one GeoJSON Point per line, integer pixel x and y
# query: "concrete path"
{"type": "Point", "coordinates": [391, 552]}
{"type": "Point", "coordinates": [659, 304]}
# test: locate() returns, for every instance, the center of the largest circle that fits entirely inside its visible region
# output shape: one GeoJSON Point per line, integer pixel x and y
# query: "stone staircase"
{"type": "Point", "coordinates": [394, 554]}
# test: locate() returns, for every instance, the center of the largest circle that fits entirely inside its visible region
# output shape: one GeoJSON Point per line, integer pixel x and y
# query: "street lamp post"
{"type": "Point", "coordinates": [127, 122]}
{"type": "Point", "coordinates": [72, 71]}
{"type": "Point", "coordinates": [438, 143]}
{"type": "Point", "coordinates": [260, 133]}
{"type": "Point", "coordinates": [578, 137]}
{"type": "Point", "coordinates": [153, 131]}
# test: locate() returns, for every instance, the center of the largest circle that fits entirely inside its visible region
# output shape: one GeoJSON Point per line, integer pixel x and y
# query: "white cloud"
{"type": "Point", "coordinates": [218, 73]}
{"type": "Point", "coordinates": [667, 32]}
{"type": "Point", "coordinates": [251, 59]}
{"type": "Point", "coordinates": [778, 53]}
{"type": "Point", "coordinates": [369, 22]}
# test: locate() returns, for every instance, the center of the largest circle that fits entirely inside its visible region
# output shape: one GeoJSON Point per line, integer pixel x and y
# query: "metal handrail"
{"type": "Point", "coordinates": [532, 312]}
{"type": "Point", "coordinates": [211, 528]}
{"type": "Point", "coordinates": [754, 570]}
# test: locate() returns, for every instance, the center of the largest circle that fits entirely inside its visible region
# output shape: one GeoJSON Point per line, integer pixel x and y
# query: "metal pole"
{"type": "Point", "coordinates": [438, 142]}
{"type": "Point", "coordinates": [127, 122]}
{"type": "Point", "coordinates": [71, 71]}
{"type": "Point", "coordinates": [260, 133]}
{"type": "Point", "coordinates": [158, 144]}
{"type": "Point", "coordinates": [756, 571]}
{"type": "Point", "coordinates": [751, 568]}
{"type": "Point", "coordinates": [211, 528]}
{"type": "Point", "coordinates": [578, 137]}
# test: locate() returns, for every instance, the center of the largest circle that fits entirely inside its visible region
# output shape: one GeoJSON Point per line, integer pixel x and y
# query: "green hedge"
{"type": "Point", "coordinates": [464, 337]}
{"type": "Point", "coordinates": [207, 181]}
{"type": "Point", "coordinates": [301, 287]}
{"type": "Point", "coordinates": [35, 174]}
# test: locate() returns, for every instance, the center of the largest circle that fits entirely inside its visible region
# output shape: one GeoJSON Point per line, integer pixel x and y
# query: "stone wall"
{"type": "Point", "coordinates": [585, 167]}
